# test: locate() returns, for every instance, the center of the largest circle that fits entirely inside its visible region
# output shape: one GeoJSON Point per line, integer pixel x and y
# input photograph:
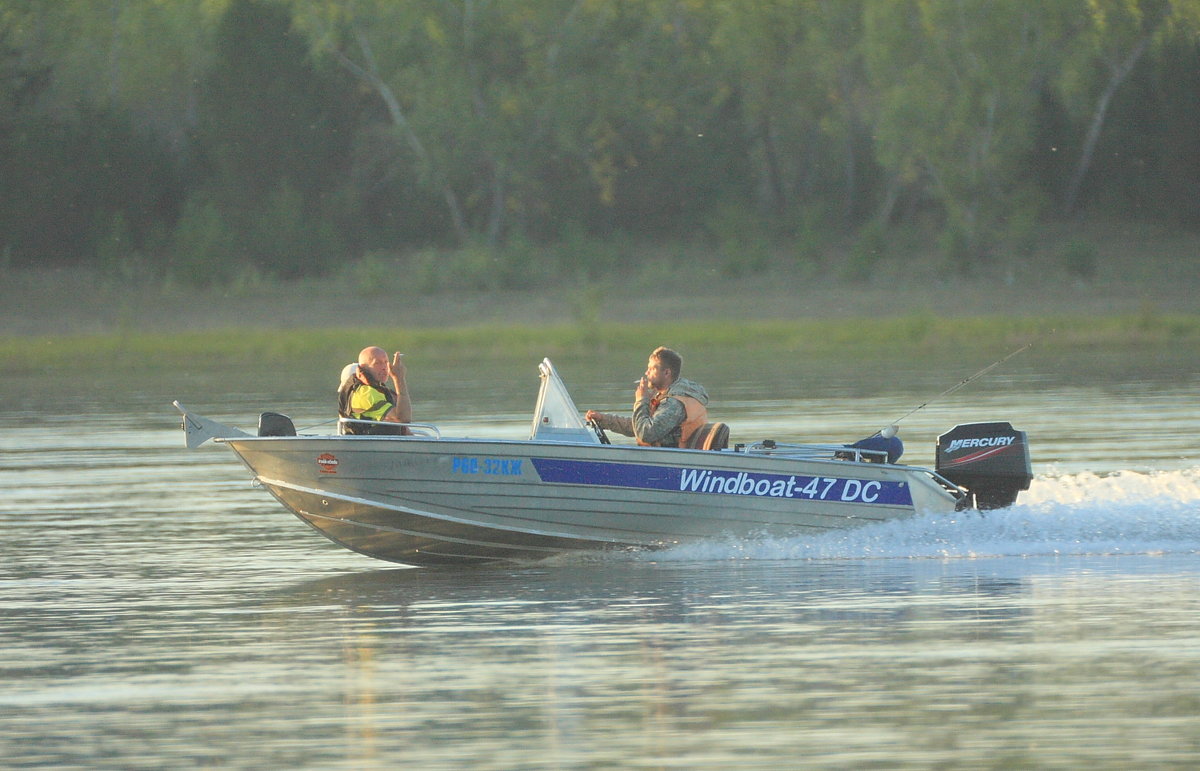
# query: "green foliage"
{"type": "Point", "coordinates": [841, 338]}
{"type": "Point", "coordinates": [959, 247]}
{"type": "Point", "coordinates": [742, 237]}
{"type": "Point", "coordinates": [475, 268]}
{"type": "Point", "coordinates": [584, 257]}
{"type": "Point", "coordinates": [203, 246]}
{"type": "Point", "coordinates": [1020, 228]}
{"type": "Point", "coordinates": [1080, 259]}
{"type": "Point", "coordinates": [958, 109]}
{"type": "Point", "coordinates": [869, 248]}
{"type": "Point", "coordinates": [115, 248]}
{"type": "Point", "coordinates": [283, 240]}
{"type": "Point", "coordinates": [66, 179]}
{"type": "Point", "coordinates": [502, 143]}
{"type": "Point", "coordinates": [374, 275]}
{"type": "Point", "coordinates": [275, 135]}
{"type": "Point", "coordinates": [812, 233]}
{"type": "Point", "coordinates": [524, 265]}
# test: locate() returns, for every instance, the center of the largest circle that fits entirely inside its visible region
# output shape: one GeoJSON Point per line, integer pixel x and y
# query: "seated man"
{"type": "Point", "coordinates": [365, 395]}
{"type": "Point", "coordinates": [667, 409]}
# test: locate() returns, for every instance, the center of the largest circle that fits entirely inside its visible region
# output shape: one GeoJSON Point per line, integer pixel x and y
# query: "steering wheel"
{"type": "Point", "coordinates": [603, 437]}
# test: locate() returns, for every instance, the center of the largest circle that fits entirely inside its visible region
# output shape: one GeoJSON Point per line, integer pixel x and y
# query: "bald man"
{"type": "Point", "coordinates": [366, 394]}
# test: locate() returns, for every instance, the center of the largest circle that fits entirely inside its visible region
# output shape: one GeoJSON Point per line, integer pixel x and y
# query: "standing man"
{"type": "Point", "coordinates": [366, 395]}
{"type": "Point", "coordinates": [667, 409]}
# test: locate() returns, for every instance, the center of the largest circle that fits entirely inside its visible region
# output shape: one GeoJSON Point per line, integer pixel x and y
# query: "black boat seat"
{"type": "Point", "coordinates": [352, 426]}
{"type": "Point", "coordinates": [710, 436]}
{"type": "Point", "coordinates": [275, 424]}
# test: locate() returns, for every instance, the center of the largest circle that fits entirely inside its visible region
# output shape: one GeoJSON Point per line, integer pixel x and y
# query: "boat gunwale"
{"type": "Point", "coordinates": [794, 452]}
{"type": "Point", "coordinates": [743, 456]}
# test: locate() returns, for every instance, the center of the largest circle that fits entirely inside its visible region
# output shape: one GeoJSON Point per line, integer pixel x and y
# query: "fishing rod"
{"type": "Point", "coordinates": [892, 427]}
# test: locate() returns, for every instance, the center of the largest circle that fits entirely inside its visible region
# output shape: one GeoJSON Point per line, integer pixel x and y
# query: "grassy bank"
{"type": "Point", "coordinates": [906, 335]}
{"type": "Point", "coordinates": [1133, 270]}
{"type": "Point", "coordinates": [1140, 291]}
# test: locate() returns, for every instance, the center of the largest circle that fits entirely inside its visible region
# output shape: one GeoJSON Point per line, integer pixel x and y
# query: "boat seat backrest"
{"type": "Point", "coordinates": [710, 436]}
{"type": "Point", "coordinates": [371, 428]}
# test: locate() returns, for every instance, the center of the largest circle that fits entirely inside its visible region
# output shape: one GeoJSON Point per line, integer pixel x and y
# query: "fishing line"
{"type": "Point", "coordinates": [966, 380]}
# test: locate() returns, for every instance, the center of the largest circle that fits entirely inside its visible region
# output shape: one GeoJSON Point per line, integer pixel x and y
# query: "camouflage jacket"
{"type": "Point", "coordinates": [661, 426]}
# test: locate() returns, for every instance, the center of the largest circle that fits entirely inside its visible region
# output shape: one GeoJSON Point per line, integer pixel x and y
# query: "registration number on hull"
{"type": "Point", "coordinates": [506, 467]}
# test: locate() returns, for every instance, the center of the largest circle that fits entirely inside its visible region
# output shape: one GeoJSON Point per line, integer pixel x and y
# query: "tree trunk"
{"type": "Point", "coordinates": [1117, 76]}
{"type": "Point", "coordinates": [369, 72]}
{"type": "Point", "coordinates": [774, 181]}
{"type": "Point", "coordinates": [496, 166]}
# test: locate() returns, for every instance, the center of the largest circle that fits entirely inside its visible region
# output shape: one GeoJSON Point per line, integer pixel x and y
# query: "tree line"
{"type": "Point", "coordinates": [200, 138]}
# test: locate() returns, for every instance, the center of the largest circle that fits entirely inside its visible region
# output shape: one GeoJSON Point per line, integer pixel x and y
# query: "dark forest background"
{"type": "Point", "coordinates": [201, 141]}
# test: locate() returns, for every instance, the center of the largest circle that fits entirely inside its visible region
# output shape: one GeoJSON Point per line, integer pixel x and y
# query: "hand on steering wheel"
{"type": "Point", "coordinates": [603, 437]}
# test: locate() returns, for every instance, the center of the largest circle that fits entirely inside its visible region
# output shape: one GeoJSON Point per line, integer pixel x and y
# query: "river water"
{"type": "Point", "coordinates": [157, 611]}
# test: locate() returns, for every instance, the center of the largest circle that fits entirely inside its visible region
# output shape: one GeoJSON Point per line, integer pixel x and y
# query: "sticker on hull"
{"type": "Point", "coordinates": [708, 481]}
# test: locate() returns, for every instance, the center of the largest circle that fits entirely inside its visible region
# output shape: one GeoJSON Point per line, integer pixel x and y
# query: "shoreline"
{"type": "Point", "coordinates": [923, 335]}
{"type": "Point", "coordinates": [78, 306]}
{"type": "Point", "coordinates": [1142, 272]}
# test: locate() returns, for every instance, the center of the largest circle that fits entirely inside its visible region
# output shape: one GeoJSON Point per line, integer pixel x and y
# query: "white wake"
{"type": "Point", "coordinates": [1079, 514]}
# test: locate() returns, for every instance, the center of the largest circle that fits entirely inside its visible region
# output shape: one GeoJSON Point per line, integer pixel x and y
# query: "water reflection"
{"type": "Point", "coordinates": [703, 661]}
{"type": "Point", "coordinates": [819, 600]}
{"type": "Point", "coordinates": [668, 653]}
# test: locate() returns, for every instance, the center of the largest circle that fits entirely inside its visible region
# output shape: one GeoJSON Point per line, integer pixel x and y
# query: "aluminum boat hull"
{"type": "Point", "coordinates": [427, 501]}
{"type": "Point", "coordinates": [421, 499]}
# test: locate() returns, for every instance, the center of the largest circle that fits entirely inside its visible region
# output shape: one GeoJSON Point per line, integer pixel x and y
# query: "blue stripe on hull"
{"type": "Point", "coordinates": [870, 492]}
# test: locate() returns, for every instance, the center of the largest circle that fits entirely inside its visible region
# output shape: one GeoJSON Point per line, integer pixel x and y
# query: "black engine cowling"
{"type": "Point", "coordinates": [989, 460]}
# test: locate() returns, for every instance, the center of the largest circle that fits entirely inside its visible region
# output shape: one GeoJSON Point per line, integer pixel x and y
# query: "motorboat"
{"type": "Point", "coordinates": [421, 498]}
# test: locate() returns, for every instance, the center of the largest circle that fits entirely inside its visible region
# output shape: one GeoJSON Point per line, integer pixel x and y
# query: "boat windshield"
{"type": "Point", "coordinates": [556, 418]}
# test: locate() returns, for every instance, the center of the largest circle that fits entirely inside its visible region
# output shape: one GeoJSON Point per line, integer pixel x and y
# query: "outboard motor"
{"type": "Point", "coordinates": [990, 460]}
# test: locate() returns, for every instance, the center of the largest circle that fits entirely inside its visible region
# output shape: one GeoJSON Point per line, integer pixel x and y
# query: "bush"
{"type": "Point", "coordinates": [868, 249]}
{"type": "Point", "coordinates": [285, 239]}
{"type": "Point", "coordinates": [374, 274]}
{"type": "Point", "coordinates": [743, 239]}
{"type": "Point", "coordinates": [812, 233]}
{"type": "Point", "coordinates": [1080, 259]}
{"type": "Point", "coordinates": [474, 267]}
{"type": "Point", "coordinates": [524, 265]}
{"type": "Point", "coordinates": [202, 246]}
{"type": "Point", "coordinates": [959, 248]}
{"type": "Point", "coordinates": [119, 260]}
{"type": "Point", "coordinates": [586, 257]}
